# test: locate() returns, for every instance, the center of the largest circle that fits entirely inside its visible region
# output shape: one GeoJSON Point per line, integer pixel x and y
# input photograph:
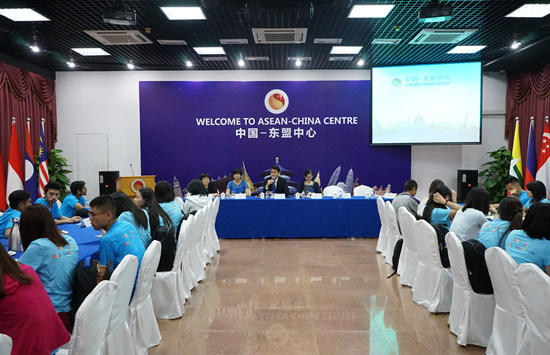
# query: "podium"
{"type": "Point", "coordinates": [130, 185]}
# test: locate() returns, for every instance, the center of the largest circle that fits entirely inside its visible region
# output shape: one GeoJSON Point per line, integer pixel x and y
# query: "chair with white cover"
{"type": "Point", "coordinates": [534, 288]}
{"type": "Point", "coordinates": [334, 191]}
{"type": "Point", "coordinates": [393, 231]}
{"type": "Point", "coordinates": [206, 247]}
{"type": "Point", "coordinates": [213, 235]}
{"type": "Point", "coordinates": [197, 255]}
{"type": "Point", "coordinates": [167, 292]}
{"type": "Point", "coordinates": [187, 266]}
{"type": "Point", "coordinates": [409, 257]}
{"type": "Point", "coordinates": [92, 321]}
{"type": "Point", "coordinates": [5, 344]}
{"type": "Point", "coordinates": [509, 320]}
{"type": "Point", "coordinates": [179, 201]}
{"type": "Point", "coordinates": [141, 316]}
{"type": "Point", "coordinates": [471, 318]}
{"type": "Point", "coordinates": [362, 190]}
{"type": "Point", "coordinates": [383, 234]}
{"type": "Point", "coordinates": [433, 284]}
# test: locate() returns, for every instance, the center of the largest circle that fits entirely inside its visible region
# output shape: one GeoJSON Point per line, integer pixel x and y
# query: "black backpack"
{"type": "Point", "coordinates": [165, 235]}
{"type": "Point", "coordinates": [86, 278]}
{"type": "Point", "coordinates": [474, 254]}
{"type": "Point", "coordinates": [396, 255]}
{"type": "Point", "coordinates": [441, 231]}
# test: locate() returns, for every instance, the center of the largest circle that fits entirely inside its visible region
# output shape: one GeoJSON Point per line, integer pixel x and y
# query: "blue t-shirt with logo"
{"type": "Point", "coordinates": [491, 232]}
{"type": "Point", "coordinates": [144, 234]}
{"type": "Point", "coordinates": [5, 220]}
{"type": "Point", "coordinates": [173, 210]}
{"type": "Point", "coordinates": [530, 202]}
{"type": "Point", "coordinates": [56, 212]}
{"type": "Point", "coordinates": [524, 249]}
{"type": "Point", "coordinates": [121, 239]}
{"type": "Point", "coordinates": [67, 207]}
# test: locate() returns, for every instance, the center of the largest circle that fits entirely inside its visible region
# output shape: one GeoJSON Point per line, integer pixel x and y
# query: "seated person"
{"type": "Point", "coordinates": [531, 243]}
{"type": "Point", "coordinates": [19, 200]}
{"type": "Point", "coordinates": [52, 191]}
{"type": "Point", "coordinates": [308, 186]}
{"type": "Point", "coordinates": [510, 216]}
{"type": "Point", "coordinates": [237, 185]}
{"type": "Point", "coordinates": [406, 199]}
{"type": "Point", "coordinates": [514, 188]}
{"type": "Point", "coordinates": [274, 183]}
{"type": "Point", "coordinates": [120, 238]}
{"type": "Point", "coordinates": [74, 203]}
{"type": "Point", "coordinates": [433, 186]}
{"type": "Point", "coordinates": [52, 255]}
{"type": "Point", "coordinates": [197, 200]}
{"type": "Point", "coordinates": [469, 219]}
{"type": "Point", "coordinates": [437, 208]}
{"type": "Point", "coordinates": [536, 191]}
{"type": "Point", "coordinates": [209, 185]}
{"type": "Point", "coordinates": [127, 211]}
{"type": "Point", "coordinates": [146, 200]}
{"type": "Point", "coordinates": [164, 192]}
{"type": "Point", "coordinates": [26, 312]}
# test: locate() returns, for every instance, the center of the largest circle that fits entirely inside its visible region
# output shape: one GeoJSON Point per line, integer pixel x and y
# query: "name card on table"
{"type": "Point", "coordinates": [279, 196]}
{"type": "Point", "coordinates": [317, 196]}
{"type": "Point", "coordinates": [240, 196]}
{"type": "Point", "coordinates": [85, 223]}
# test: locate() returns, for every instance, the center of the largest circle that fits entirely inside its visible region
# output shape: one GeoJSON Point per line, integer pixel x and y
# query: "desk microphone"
{"type": "Point", "coordinates": [131, 167]}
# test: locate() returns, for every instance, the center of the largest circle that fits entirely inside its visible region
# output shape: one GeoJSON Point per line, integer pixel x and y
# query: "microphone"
{"type": "Point", "coordinates": [131, 167]}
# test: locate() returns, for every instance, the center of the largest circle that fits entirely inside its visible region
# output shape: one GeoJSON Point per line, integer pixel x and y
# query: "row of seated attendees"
{"type": "Point", "coordinates": [526, 239]}
{"type": "Point", "coordinates": [50, 257]}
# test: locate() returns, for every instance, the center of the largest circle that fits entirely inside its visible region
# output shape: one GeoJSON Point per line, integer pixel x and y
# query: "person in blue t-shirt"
{"type": "Point", "coordinates": [127, 211]}
{"type": "Point", "coordinates": [74, 203]}
{"type": "Point", "coordinates": [514, 188]}
{"type": "Point", "coordinates": [494, 233]}
{"type": "Point", "coordinates": [120, 238]}
{"type": "Point", "coordinates": [237, 185]}
{"type": "Point", "coordinates": [531, 243]}
{"type": "Point", "coordinates": [164, 192]}
{"type": "Point", "coordinates": [52, 191]}
{"type": "Point", "coordinates": [52, 255]}
{"type": "Point", "coordinates": [19, 200]}
{"type": "Point", "coordinates": [437, 207]}
{"type": "Point", "coordinates": [536, 191]}
{"type": "Point", "coordinates": [146, 200]}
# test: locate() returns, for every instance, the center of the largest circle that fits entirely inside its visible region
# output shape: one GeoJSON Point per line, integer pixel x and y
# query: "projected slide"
{"type": "Point", "coordinates": [426, 104]}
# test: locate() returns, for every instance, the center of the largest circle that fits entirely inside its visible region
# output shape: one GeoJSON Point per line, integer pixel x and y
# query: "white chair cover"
{"type": "Point", "coordinates": [141, 316]}
{"type": "Point", "coordinates": [179, 201]}
{"type": "Point", "coordinates": [212, 229]}
{"type": "Point", "coordinates": [209, 247]}
{"type": "Point", "coordinates": [393, 231]}
{"type": "Point", "coordinates": [534, 289]}
{"type": "Point", "coordinates": [382, 235]}
{"type": "Point", "coordinates": [92, 320]}
{"type": "Point", "coordinates": [408, 260]}
{"type": "Point", "coordinates": [433, 284]}
{"type": "Point", "coordinates": [471, 318]}
{"type": "Point", "coordinates": [509, 320]}
{"type": "Point", "coordinates": [5, 344]}
{"type": "Point", "coordinates": [119, 338]}
{"type": "Point", "coordinates": [197, 255]}
{"type": "Point", "coordinates": [187, 269]}
{"type": "Point", "coordinates": [362, 190]}
{"type": "Point", "coordinates": [333, 191]}
{"type": "Point", "coordinates": [206, 247]}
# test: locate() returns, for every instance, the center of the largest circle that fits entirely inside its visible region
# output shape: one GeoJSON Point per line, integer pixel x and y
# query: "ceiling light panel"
{"type": "Point", "coordinates": [386, 40]}
{"type": "Point", "coordinates": [22, 15]}
{"type": "Point", "coordinates": [531, 11]}
{"type": "Point", "coordinates": [465, 49]}
{"type": "Point", "coordinates": [299, 58]}
{"type": "Point", "coordinates": [346, 49]}
{"type": "Point", "coordinates": [183, 13]}
{"type": "Point", "coordinates": [370, 11]}
{"type": "Point", "coordinates": [209, 50]}
{"type": "Point", "coordinates": [90, 51]}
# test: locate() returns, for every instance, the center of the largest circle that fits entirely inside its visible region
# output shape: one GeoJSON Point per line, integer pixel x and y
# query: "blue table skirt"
{"type": "Point", "coordinates": [86, 238]}
{"type": "Point", "coordinates": [298, 218]}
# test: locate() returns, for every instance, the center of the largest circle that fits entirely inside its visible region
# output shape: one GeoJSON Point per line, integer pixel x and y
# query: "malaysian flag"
{"type": "Point", "coordinates": [44, 177]}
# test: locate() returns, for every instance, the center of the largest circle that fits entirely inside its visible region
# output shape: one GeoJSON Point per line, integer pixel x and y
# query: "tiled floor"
{"type": "Point", "coordinates": [304, 296]}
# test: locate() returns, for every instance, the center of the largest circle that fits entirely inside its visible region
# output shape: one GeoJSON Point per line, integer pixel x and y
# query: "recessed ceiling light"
{"type": "Point", "coordinates": [35, 49]}
{"type": "Point", "coordinates": [303, 59]}
{"type": "Point", "coordinates": [90, 51]}
{"type": "Point", "coordinates": [71, 64]}
{"type": "Point", "coordinates": [298, 63]}
{"type": "Point", "coordinates": [241, 63]}
{"type": "Point", "coordinates": [183, 12]}
{"type": "Point", "coordinates": [465, 49]}
{"type": "Point", "coordinates": [22, 15]}
{"type": "Point", "coordinates": [515, 45]}
{"type": "Point", "coordinates": [370, 11]}
{"type": "Point", "coordinates": [531, 10]}
{"type": "Point", "coordinates": [188, 64]}
{"type": "Point", "coordinates": [209, 50]}
{"type": "Point", "coordinates": [386, 41]}
{"type": "Point", "coordinates": [345, 49]}
{"type": "Point", "coordinates": [360, 62]}
{"type": "Point", "coordinates": [131, 66]}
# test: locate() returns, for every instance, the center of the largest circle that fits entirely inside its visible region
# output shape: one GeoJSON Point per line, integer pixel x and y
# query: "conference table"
{"type": "Point", "coordinates": [298, 218]}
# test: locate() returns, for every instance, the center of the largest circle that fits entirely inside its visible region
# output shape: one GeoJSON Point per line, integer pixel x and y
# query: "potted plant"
{"type": "Point", "coordinates": [496, 172]}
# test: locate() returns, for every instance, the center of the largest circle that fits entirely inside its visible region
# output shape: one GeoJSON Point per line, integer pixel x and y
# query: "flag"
{"type": "Point", "coordinates": [246, 179]}
{"type": "Point", "coordinates": [318, 178]}
{"type": "Point", "coordinates": [15, 171]}
{"type": "Point", "coordinates": [30, 172]}
{"type": "Point", "coordinates": [531, 164]}
{"type": "Point", "coordinates": [543, 168]}
{"type": "Point", "coordinates": [515, 164]}
{"type": "Point", "coordinates": [3, 204]}
{"type": "Point", "coordinates": [44, 177]}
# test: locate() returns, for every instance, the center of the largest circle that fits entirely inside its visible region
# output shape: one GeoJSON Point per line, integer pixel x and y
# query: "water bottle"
{"type": "Point", "coordinates": [14, 239]}
{"type": "Point", "coordinates": [222, 195]}
{"type": "Point", "coordinates": [262, 196]}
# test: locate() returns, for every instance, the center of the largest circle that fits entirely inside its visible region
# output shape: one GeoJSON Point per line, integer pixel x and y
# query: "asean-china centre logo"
{"type": "Point", "coordinates": [276, 101]}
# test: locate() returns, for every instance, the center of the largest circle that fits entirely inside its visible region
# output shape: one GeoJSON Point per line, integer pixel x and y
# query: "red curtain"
{"type": "Point", "coordinates": [26, 95]}
{"type": "Point", "coordinates": [527, 95]}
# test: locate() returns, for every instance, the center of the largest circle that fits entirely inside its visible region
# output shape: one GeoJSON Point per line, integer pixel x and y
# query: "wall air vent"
{"type": "Point", "coordinates": [441, 36]}
{"type": "Point", "coordinates": [111, 38]}
{"type": "Point", "coordinates": [214, 59]}
{"type": "Point", "coordinates": [279, 35]}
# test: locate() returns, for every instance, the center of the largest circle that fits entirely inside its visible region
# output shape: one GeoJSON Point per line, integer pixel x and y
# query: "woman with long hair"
{"type": "Point", "coordinates": [437, 208]}
{"type": "Point", "coordinates": [128, 211]}
{"type": "Point", "coordinates": [52, 255]}
{"type": "Point", "coordinates": [510, 216]}
{"type": "Point", "coordinates": [308, 186]}
{"type": "Point", "coordinates": [536, 191]}
{"type": "Point", "coordinates": [146, 200]}
{"type": "Point", "coordinates": [164, 191]}
{"type": "Point", "coordinates": [26, 312]}
{"type": "Point", "coordinates": [469, 219]}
